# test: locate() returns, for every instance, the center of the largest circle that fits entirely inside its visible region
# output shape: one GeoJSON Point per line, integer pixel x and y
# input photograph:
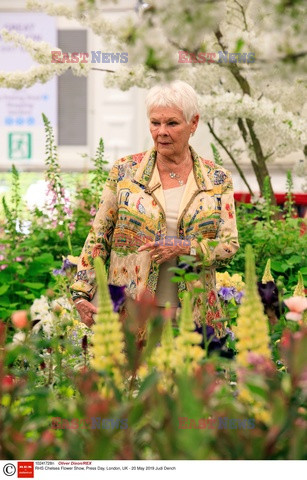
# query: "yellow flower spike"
{"type": "Point", "coordinates": [267, 275]}
{"type": "Point", "coordinates": [252, 331]}
{"type": "Point", "coordinates": [107, 340]}
{"type": "Point", "coordinates": [299, 290]}
{"type": "Point", "coordinates": [185, 342]}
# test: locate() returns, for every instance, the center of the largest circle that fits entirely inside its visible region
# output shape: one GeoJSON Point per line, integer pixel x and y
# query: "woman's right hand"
{"type": "Point", "coordinates": [86, 311]}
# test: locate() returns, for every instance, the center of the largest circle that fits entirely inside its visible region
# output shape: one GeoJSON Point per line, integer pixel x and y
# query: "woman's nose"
{"type": "Point", "coordinates": [163, 130]}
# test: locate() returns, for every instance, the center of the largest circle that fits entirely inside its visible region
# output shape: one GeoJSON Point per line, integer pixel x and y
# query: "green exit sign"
{"type": "Point", "coordinates": [20, 145]}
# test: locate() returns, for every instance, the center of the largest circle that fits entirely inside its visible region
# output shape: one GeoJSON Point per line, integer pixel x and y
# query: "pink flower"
{"type": "Point", "coordinates": [1, 258]}
{"type": "Point", "coordinates": [72, 226]}
{"type": "Point", "coordinates": [296, 305]}
{"type": "Point", "coordinates": [18, 259]}
{"type": "Point", "coordinates": [3, 267]}
{"type": "Point", "coordinates": [294, 316]}
{"type": "Point", "coordinates": [20, 319]}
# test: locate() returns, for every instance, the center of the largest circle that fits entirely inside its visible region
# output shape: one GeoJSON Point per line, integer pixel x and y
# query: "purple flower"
{"type": "Point", "coordinates": [58, 271]}
{"type": "Point", "coordinates": [230, 333]}
{"type": "Point", "coordinates": [238, 296]}
{"type": "Point", "coordinates": [227, 293]}
{"type": "Point", "coordinates": [117, 295]}
{"type": "Point", "coordinates": [65, 266]}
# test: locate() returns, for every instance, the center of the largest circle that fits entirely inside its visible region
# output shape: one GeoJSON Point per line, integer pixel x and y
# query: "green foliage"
{"type": "Point", "coordinates": [28, 259]}
{"type": "Point", "coordinates": [289, 210]}
{"type": "Point", "coordinates": [273, 234]}
{"type": "Point", "coordinates": [99, 174]}
{"type": "Point", "coordinates": [216, 155]}
{"type": "Point", "coordinates": [13, 213]}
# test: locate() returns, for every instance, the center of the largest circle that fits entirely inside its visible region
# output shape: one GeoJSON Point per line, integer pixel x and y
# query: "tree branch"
{"type": "Point", "coordinates": [240, 171]}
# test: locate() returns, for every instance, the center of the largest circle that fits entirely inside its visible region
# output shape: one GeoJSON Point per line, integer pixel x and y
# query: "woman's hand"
{"type": "Point", "coordinates": [161, 251]}
{"type": "Point", "coordinates": [86, 311]}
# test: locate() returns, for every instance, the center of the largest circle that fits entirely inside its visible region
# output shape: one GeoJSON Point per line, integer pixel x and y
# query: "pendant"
{"type": "Point", "coordinates": [180, 182]}
{"type": "Point", "coordinates": [172, 175]}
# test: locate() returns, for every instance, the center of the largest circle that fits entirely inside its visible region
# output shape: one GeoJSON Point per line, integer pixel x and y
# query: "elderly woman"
{"type": "Point", "coordinates": [158, 205]}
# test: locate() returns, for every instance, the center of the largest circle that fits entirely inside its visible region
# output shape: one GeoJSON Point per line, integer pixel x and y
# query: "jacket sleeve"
{"type": "Point", "coordinates": [99, 239]}
{"type": "Point", "coordinates": [220, 250]}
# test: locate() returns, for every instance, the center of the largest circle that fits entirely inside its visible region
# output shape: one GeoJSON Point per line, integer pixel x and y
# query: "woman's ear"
{"type": "Point", "coordinates": [194, 124]}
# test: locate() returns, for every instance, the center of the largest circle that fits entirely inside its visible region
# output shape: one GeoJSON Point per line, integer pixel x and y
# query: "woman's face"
{"type": "Point", "coordinates": [170, 131]}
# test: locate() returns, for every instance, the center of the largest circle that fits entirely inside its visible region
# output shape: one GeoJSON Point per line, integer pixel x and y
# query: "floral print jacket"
{"type": "Point", "coordinates": [132, 212]}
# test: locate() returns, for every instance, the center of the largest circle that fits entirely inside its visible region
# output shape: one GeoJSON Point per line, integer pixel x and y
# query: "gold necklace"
{"type": "Point", "coordinates": [172, 174]}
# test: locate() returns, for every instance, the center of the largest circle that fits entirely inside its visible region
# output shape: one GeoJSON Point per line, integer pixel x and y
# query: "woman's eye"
{"type": "Point", "coordinates": [173, 123]}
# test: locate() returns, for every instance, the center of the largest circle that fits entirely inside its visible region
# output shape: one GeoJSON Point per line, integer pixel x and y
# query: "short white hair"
{"type": "Point", "coordinates": [177, 94]}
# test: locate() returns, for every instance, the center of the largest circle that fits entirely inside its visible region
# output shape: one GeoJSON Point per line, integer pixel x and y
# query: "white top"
{"type": "Point", "coordinates": [167, 291]}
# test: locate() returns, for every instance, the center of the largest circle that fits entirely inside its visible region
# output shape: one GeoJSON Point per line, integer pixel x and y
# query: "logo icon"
{"type": "Point", "coordinates": [9, 469]}
{"type": "Point", "coordinates": [25, 469]}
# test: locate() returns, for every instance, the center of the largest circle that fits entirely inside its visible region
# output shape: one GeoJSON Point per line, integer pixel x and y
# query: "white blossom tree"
{"type": "Point", "coordinates": [246, 60]}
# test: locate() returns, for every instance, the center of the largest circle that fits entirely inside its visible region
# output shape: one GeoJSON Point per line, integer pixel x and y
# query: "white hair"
{"type": "Point", "coordinates": [177, 94]}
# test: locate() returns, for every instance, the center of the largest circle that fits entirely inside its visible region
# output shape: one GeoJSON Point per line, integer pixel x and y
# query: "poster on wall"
{"type": "Point", "coordinates": [22, 137]}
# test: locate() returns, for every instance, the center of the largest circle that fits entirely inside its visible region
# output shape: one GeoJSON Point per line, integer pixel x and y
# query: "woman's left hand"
{"type": "Point", "coordinates": [161, 252]}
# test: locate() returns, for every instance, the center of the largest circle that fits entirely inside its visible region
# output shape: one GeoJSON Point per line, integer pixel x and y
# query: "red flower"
{"type": "Point", "coordinates": [211, 298]}
{"type": "Point", "coordinates": [48, 437]}
{"type": "Point", "coordinates": [8, 382]}
{"type": "Point", "coordinates": [209, 317]}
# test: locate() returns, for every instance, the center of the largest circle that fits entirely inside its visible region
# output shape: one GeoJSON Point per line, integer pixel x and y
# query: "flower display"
{"type": "Point", "coordinates": [230, 287]}
{"type": "Point", "coordinates": [132, 368]}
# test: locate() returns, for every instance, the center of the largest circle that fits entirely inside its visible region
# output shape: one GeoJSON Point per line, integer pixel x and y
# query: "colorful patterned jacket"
{"type": "Point", "coordinates": [132, 212]}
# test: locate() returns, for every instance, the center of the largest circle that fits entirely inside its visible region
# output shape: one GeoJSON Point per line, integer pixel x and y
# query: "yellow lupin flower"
{"type": "Point", "coordinates": [107, 340]}
{"type": "Point", "coordinates": [299, 290]}
{"type": "Point", "coordinates": [163, 358]}
{"type": "Point", "coordinates": [187, 341]}
{"type": "Point", "coordinates": [267, 275]}
{"type": "Point", "coordinates": [252, 324]}
{"type": "Point", "coordinates": [253, 335]}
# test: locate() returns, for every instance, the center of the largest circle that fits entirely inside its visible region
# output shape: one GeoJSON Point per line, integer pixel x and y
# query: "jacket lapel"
{"type": "Point", "coordinates": [147, 174]}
